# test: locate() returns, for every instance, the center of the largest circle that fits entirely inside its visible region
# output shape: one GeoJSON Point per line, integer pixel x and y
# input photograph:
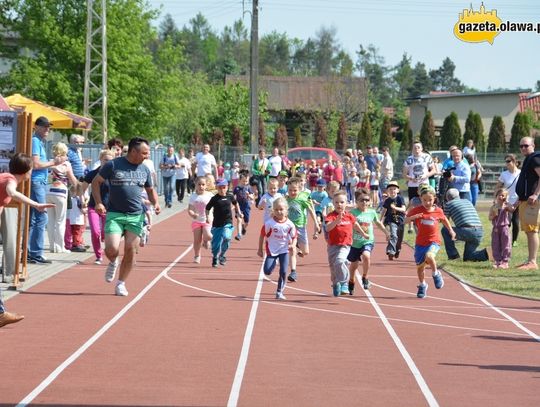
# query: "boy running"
{"type": "Point", "coordinates": [392, 216]}
{"type": "Point", "coordinates": [244, 196]}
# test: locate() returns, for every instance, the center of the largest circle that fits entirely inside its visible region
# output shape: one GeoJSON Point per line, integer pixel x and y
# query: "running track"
{"type": "Point", "coordinates": [190, 335]}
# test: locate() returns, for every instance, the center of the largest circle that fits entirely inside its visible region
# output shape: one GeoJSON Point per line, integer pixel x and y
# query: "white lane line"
{"type": "Point", "coordinates": [45, 383]}
{"type": "Point", "coordinates": [242, 361]}
{"type": "Point", "coordinates": [430, 398]}
{"type": "Point", "coordinates": [505, 315]}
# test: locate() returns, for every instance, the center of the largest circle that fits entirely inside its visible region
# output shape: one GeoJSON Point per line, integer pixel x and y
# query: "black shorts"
{"type": "Point", "coordinates": [374, 187]}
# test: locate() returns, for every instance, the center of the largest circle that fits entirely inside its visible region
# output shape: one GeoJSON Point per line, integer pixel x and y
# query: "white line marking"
{"type": "Point", "coordinates": [406, 356]}
{"type": "Point", "coordinates": [45, 383]}
{"type": "Point", "coordinates": [242, 361]}
{"type": "Point", "coordinates": [494, 308]}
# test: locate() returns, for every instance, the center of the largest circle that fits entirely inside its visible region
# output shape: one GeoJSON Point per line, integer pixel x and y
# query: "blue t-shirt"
{"type": "Point", "coordinates": [241, 193]}
{"type": "Point", "coordinates": [104, 188]}
{"type": "Point", "coordinates": [38, 148]}
{"type": "Point", "coordinates": [126, 182]}
{"type": "Point", "coordinates": [76, 162]}
{"type": "Point", "coordinates": [319, 197]}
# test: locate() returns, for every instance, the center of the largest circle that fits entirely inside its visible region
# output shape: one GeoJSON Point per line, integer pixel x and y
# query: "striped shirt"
{"type": "Point", "coordinates": [462, 213]}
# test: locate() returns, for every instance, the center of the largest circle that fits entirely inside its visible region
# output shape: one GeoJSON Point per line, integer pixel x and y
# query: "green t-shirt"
{"type": "Point", "coordinates": [298, 209]}
{"type": "Point", "coordinates": [365, 219]}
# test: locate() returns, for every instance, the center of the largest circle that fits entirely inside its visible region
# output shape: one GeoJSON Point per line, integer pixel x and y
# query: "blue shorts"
{"type": "Point", "coordinates": [356, 252]}
{"type": "Point", "coordinates": [246, 211]}
{"type": "Point", "coordinates": [420, 252]}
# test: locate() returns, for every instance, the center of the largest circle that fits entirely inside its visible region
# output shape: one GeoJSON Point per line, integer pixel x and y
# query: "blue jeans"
{"type": "Point", "coordinates": [270, 264]}
{"type": "Point", "coordinates": [2, 309]}
{"type": "Point", "coordinates": [221, 238]}
{"type": "Point", "coordinates": [472, 236]}
{"type": "Point", "coordinates": [168, 188]}
{"type": "Point", "coordinates": [465, 195]}
{"type": "Point", "coordinates": [474, 193]}
{"type": "Point", "coordinates": [396, 238]}
{"type": "Point", "coordinates": [38, 220]}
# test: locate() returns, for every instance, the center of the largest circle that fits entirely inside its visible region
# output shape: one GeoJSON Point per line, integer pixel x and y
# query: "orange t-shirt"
{"type": "Point", "coordinates": [5, 178]}
{"type": "Point", "coordinates": [428, 225]}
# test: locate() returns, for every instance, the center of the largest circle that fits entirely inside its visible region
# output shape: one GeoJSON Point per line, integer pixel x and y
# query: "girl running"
{"type": "Point", "coordinates": [197, 211]}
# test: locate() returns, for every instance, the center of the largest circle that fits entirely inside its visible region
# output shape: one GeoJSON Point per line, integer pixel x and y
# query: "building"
{"type": "Point", "coordinates": [504, 103]}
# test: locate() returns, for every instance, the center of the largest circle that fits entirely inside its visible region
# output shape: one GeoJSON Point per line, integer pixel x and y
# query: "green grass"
{"type": "Point", "coordinates": [482, 274]}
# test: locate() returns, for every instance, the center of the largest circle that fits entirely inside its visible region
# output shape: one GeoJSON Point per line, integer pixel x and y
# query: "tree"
{"type": "Point", "coordinates": [450, 132]}
{"type": "Point", "coordinates": [321, 133]}
{"type": "Point", "coordinates": [200, 43]}
{"type": "Point", "coordinates": [275, 54]}
{"type": "Point", "coordinates": [444, 79]}
{"type": "Point", "coordinates": [422, 83]}
{"type": "Point", "coordinates": [304, 57]}
{"type": "Point", "coordinates": [520, 129]}
{"type": "Point", "coordinates": [386, 139]}
{"type": "Point", "coordinates": [365, 134]}
{"type": "Point", "coordinates": [327, 48]}
{"type": "Point", "coordinates": [217, 140]}
{"type": "Point", "coordinates": [427, 132]}
{"type": "Point", "coordinates": [261, 133]}
{"type": "Point", "coordinates": [341, 139]}
{"type": "Point", "coordinates": [297, 137]}
{"type": "Point", "coordinates": [470, 128]}
{"type": "Point", "coordinates": [281, 137]}
{"type": "Point", "coordinates": [371, 65]}
{"type": "Point", "coordinates": [407, 137]}
{"type": "Point", "coordinates": [196, 139]}
{"type": "Point", "coordinates": [403, 76]}
{"type": "Point", "coordinates": [480, 140]}
{"type": "Point", "coordinates": [496, 137]}
{"type": "Point", "coordinates": [237, 139]}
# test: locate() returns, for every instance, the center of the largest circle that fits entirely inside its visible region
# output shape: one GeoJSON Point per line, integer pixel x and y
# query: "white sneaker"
{"type": "Point", "coordinates": [98, 261]}
{"type": "Point", "coordinates": [280, 296]}
{"type": "Point", "coordinates": [121, 290]}
{"type": "Point", "coordinates": [197, 259]}
{"type": "Point", "coordinates": [111, 271]}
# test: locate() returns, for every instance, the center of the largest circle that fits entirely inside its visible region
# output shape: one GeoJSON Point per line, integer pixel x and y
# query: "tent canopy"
{"type": "Point", "coordinates": [4, 105]}
{"type": "Point", "coordinates": [60, 119]}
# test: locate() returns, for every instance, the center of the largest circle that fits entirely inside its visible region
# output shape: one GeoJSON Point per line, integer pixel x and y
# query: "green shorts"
{"type": "Point", "coordinates": [118, 223]}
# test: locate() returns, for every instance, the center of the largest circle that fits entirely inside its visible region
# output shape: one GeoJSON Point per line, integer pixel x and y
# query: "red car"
{"type": "Point", "coordinates": [320, 155]}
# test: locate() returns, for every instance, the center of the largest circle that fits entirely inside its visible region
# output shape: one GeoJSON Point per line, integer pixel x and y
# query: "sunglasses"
{"type": "Point", "coordinates": [524, 145]}
{"type": "Point", "coordinates": [508, 161]}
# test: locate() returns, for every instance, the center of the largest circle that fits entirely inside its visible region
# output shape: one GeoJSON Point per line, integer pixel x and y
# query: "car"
{"type": "Point", "coordinates": [441, 154]}
{"type": "Point", "coordinates": [319, 154]}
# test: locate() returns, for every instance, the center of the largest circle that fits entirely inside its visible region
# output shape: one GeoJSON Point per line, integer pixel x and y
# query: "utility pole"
{"type": "Point", "coordinates": [253, 76]}
{"type": "Point", "coordinates": [95, 70]}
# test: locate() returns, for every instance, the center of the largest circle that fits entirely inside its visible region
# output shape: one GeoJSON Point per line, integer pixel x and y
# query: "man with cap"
{"type": "Point", "coordinates": [467, 227]}
{"type": "Point", "coordinates": [38, 220]}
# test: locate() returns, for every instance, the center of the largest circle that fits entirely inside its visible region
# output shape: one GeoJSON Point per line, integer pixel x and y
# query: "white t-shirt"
{"type": "Point", "coordinates": [183, 171]}
{"type": "Point", "coordinates": [278, 236]}
{"type": "Point", "coordinates": [198, 202]}
{"type": "Point", "coordinates": [418, 167]}
{"type": "Point", "coordinates": [275, 165]}
{"type": "Point", "coordinates": [267, 201]}
{"type": "Point", "coordinates": [509, 181]}
{"type": "Point", "coordinates": [205, 162]}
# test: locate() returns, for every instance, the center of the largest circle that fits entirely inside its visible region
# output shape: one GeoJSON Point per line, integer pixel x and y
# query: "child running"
{"type": "Point", "coordinates": [299, 205]}
{"type": "Point", "coordinates": [318, 197]}
{"type": "Point", "coordinates": [244, 195]}
{"type": "Point", "coordinates": [222, 225]}
{"type": "Point", "coordinates": [500, 235]}
{"type": "Point", "coordinates": [269, 197]}
{"type": "Point", "coordinates": [428, 239]}
{"type": "Point", "coordinates": [197, 210]}
{"type": "Point", "coordinates": [280, 234]}
{"type": "Point", "coordinates": [393, 215]}
{"type": "Point", "coordinates": [339, 226]}
{"type": "Point", "coordinates": [363, 240]}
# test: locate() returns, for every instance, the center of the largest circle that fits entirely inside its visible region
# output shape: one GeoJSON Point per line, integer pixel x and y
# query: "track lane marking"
{"type": "Point", "coordinates": [75, 355]}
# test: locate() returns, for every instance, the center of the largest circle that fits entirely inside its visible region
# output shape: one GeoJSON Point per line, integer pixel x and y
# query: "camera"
{"type": "Point", "coordinates": [448, 172]}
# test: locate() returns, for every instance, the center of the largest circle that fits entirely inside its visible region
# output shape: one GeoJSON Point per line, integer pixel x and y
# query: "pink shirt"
{"type": "Point", "coordinates": [5, 178]}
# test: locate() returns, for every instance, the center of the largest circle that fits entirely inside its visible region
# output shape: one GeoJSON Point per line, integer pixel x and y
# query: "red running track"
{"type": "Point", "coordinates": [190, 335]}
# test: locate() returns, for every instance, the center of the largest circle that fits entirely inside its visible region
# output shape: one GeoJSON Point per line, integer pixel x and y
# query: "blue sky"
{"type": "Point", "coordinates": [421, 28]}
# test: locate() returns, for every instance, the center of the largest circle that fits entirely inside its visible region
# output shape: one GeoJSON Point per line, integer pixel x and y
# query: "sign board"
{"type": "Point", "coordinates": [8, 138]}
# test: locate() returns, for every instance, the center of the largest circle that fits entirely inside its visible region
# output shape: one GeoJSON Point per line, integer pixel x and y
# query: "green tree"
{"type": "Point", "coordinates": [281, 137]}
{"type": "Point", "coordinates": [304, 57]}
{"type": "Point", "coordinates": [470, 128]}
{"type": "Point", "coordinates": [403, 76]}
{"type": "Point", "coordinates": [297, 137]}
{"type": "Point", "coordinates": [451, 132]}
{"type": "Point", "coordinates": [321, 133]}
{"type": "Point", "coordinates": [496, 137]}
{"type": "Point", "coordinates": [520, 129]}
{"type": "Point", "coordinates": [261, 133]}
{"type": "Point", "coordinates": [327, 49]}
{"type": "Point", "coordinates": [365, 134]}
{"type": "Point", "coordinates": [443, 78]}
{"type": "Point", "coordinates": [275, 54]}
{"type": "Point", "coordinates": [341, 140]}
{"type": "Point", "coordinates": [200, 43]}
{"type": "Point", "coordinates": [371, 65]}
{"type": "Point", "coordinates": [237, 140]}
{"type": "Point", "coordinates": [480, 140]}
{"type": "Point", "coordinates": [422, 83]}
{"type": "Point", "coordinates": [386, 139]}
{"type": "Point", "coordinates": [407, 137]}
{"type": "Point", "coordinates": [427, 132]}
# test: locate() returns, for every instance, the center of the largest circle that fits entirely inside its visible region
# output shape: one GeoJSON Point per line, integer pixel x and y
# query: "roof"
{"type": "Point", "coordinates": [530, 101]}
{"type": "Point", "coordinates": [442, 95]}
{"type": "Point", "coordinates": [311, 93]}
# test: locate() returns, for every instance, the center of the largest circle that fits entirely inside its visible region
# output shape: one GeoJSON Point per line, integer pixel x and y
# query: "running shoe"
{"type": "Point", "coordinates": [390, 256]}
{"type": "Point", "coordinates": [422, 290]}
{"type": "Point", "coordinates": [214, 261]}
{"type": "Point", "coordinates": [98, 260]}
{"type": "Point", "coordinates": [351, 287]}
{"type": "Point", "coordinates": [111, 271]}
{"type": "Point", "coordinates": [280, 296]}
{"type": "Point", "coordinates": [438, 280]}
{"type": "Point", "coordinates": [336, 289]}
{"type": "Point", "coordinates": [238, 237]}
{"type": "Point", "coordinates": [365, 283]}
{"type": "Point", "coordinates": [222, 260]}
{"type": "Point", "coordinates": [292, 277]}
{"type": "Point", "coordinates": [344, 289]}
{"type": "Point", "coordinates": [197, 259]}
{"type": "Point", "coordinates": [121, 290]}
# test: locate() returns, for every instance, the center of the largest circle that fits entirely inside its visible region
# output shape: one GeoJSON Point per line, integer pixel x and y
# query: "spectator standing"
{"type": "Point", "coordinates": [38, 219]}
{"type": "Point", "coordinates": [387, 168]}
{"type": "Point", "coordinates": [206, 162]}
{"type": "Point", "coordinates": [127, 177]}
{"type": "Point", "coordinates": [259, 170]}
{"type": "Point", "coordinates": [460, 175]}
{"type": "Point", "coordinates": [469, 149]}
{"type": "Point", "coordinates": [370, 158]}
{"type": "Point", "coordinates": [476, 176]}
{"type": "Point", "coordinates": [417, 169]}
{"type": "Point", "coordinates": [528, 191]}
{"type": "Point", "coordinates": [74, 155]}
{"type": "Point", "coordinates": [183, 174]}
{"type": "Point", "coordinates": [467, 228]}
{"type": "Point", "coordinates": [275, 163]}
{"type": "Point", "coordinates": [169, 164]}
{"type": "Point", "coordinates": [508, 180]}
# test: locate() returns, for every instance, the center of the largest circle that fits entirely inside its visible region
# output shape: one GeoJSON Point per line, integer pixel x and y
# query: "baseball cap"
{"type": "Point", "coordinates": [284, 173]}
{"type": "Point", "coordinates": [392, 184]}
{"type": "Point", "coordinates": [43, 121]}
{"type": "Point", "coordinates": [321, 182]}
{"type": "Point", "coordinates": [222, 182]}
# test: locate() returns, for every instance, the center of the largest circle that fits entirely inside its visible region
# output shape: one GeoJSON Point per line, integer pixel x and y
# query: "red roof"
{"type": "Point", "coordinates": [530, 101]}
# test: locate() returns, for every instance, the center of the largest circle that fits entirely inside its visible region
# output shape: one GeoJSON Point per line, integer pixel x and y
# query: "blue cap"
{"type": "Point", "coordinates": [222, 182]}
{"type": "Point", "coordinates": [321, 181]}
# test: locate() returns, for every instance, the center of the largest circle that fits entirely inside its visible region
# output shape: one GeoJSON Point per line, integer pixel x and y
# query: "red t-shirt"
{"type": "Point", "coordinates": [342, 234]}
{"type": "Point", "coordinates": [427, 225]}
{"type": "Point", "coordinates": [5, 178]}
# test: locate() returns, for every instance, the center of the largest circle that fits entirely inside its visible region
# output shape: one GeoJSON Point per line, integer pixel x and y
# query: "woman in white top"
{"type": "Point", "coordinates": [508, 180]}
{"type": "Point", "coordinates": [57, 193]}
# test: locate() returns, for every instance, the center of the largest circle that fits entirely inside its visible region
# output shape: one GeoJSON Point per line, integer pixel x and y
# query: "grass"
{"type": "Point", "coordinates": [482, 274]}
